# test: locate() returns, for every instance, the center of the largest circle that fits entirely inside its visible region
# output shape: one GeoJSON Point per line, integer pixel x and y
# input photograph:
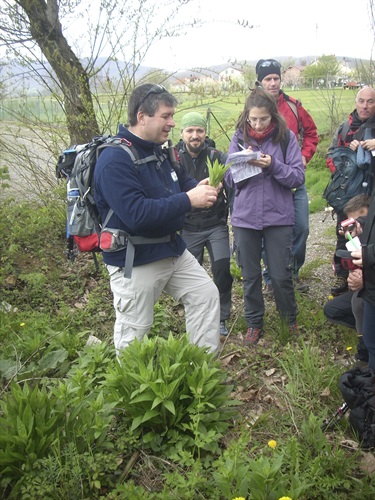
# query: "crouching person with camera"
{"type": "Point", "coordinates": [148, 202]}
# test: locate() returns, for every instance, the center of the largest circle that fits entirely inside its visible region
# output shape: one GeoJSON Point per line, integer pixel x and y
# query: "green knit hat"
{"type": "Point", "coordinates": [193, 120]}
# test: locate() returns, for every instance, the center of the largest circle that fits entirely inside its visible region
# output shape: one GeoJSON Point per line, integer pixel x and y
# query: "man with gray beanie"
{"type": "Point", "coordinates": [207, 228]}
{"type": "Point", "coordinates": [301, 123]}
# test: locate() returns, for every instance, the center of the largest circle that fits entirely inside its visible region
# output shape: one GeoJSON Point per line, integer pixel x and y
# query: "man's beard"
{"type": "Point", "coordinates": [194, 149]}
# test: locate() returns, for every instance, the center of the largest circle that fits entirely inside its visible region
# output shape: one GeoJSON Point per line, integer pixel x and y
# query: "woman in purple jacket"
{"type": "Point", "coordinates": [263, 209]}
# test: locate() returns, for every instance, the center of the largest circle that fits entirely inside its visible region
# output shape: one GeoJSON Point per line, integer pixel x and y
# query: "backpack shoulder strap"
{"type": "Point", "coordinates": [284, 143]}
{"type": "Point", "coordinates": [213, 154]}
{"type": "Point", "coordinates": [241, 143]}
{"type": "Point", "coordinates": [293, 107]}
{"type": "Point", "coordinates": [293, 104]}
{"type": "Point", "coordinates": [130, 149]}
{"type": "Point", "coordinates": [345, 129]}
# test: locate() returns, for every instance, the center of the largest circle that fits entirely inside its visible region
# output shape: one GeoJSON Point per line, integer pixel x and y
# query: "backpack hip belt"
{"type": "Point", "coordinates": [140, 240]}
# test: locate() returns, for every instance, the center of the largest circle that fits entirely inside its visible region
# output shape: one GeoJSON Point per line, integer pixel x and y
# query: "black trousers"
{"type": "Point", "coordinates": [340, 245]}
{"type": "Point", "coordinates": [347, 310]}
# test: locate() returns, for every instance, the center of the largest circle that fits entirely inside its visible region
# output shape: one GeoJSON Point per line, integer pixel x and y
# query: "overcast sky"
{"type": "Point", "coordinates": [290, 28]}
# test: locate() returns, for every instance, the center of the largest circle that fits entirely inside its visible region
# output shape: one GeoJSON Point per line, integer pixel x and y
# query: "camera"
{"type": "Point", "coordinates": [348, 225]}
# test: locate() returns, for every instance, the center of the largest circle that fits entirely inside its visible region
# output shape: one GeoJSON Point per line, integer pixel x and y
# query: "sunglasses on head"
{"type": "Point", "coordinates": [155, 89]}
{"type": "Point", "coordinates": [266, 64]}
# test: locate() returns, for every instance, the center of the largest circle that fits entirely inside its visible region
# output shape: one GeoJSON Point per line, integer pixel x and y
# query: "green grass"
{"type": "Point", "coordinates": [50, 380]}
{"type": "Point", "coordinates": [325, 106]}
{"type": "Point", "coordinates": [226, 110]}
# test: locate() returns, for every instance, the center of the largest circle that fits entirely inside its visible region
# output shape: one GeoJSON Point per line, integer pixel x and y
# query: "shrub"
{"type": "Point", "coordinates": [172, 394]}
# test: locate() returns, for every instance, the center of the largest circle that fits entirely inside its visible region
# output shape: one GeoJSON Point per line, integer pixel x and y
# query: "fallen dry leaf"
{"type": "Point", "coordinates": [246, 396]}
{"type": "Point", "coordinates": [270, 372]}
{"type": "Point", "coordinates": [325, 392]}
{"type": "Point", "coordinates": [227, 359]}
{"type": "Point", "coordinates": [367, 463]}
{"type": "Point", "coordinates": [349, 443]}
{"type": "Point", "coordinates": [11, 280]}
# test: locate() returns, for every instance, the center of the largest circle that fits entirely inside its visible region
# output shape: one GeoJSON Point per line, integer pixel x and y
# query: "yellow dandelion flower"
{"type": "Point", "coordinates": [238, 498]}
{"type": "Point", "coordinates": [349, 348]}
{"type": "Point", "coordinates": [330, 297]}
{"type": "Point", "coordinates": [285, 498]}
{"type": "Point", "coordinates": [22, 324]}
{"type": "Point", "coordinates": [272, 443]}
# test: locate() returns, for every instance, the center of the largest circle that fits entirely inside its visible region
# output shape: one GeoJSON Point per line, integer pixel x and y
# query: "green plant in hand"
{"type": "Point", "coordinates": [216, 171]}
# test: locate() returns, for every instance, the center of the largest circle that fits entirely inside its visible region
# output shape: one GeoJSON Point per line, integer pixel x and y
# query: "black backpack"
{"type": "Point", "coordinates": [349, 179]}
{"type": "Point", "coordinates": [358, 390]}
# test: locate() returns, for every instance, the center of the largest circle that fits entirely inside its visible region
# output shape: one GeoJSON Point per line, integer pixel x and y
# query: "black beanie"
{"type": "Point", "coordinates": [267, 67]}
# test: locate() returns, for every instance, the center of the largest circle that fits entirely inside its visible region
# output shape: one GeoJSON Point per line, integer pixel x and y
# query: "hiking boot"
{"type": "Point", "coordinates": [223, 329]}
{"type": "Point", "coordinates": [300, 286]}
{"type": "Point", "coordinates": [252, 336]}
{"type": "Point", "coordinates": [362, 351]}
{"type": "Point", "coordinates": [340, 285]}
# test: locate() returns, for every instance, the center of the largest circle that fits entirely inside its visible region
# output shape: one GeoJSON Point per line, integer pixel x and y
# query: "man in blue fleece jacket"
{"type": "Point", "coordinates": [148, 201]}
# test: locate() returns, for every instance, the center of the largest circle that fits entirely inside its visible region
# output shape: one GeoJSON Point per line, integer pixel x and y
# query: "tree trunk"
{"type": "Point", "coordinates": [46, 30]}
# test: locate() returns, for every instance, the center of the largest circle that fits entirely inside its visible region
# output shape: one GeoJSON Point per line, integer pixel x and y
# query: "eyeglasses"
{"type": "Point", "coordinates": [155, 89]}
{"type": "Point", "coordinates": [263, 119]}
{"type": "Point", "coordinates": [266, 64]}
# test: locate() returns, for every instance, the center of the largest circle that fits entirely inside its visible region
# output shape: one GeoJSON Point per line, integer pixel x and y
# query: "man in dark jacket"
{"type": "Point", "coordinates": [148, 202]}
{"type": "Point", "coordinates": [350, 133]}
{"type": "Point", "coordinates": [300, 122]}
{"type": "Point", "coordinates": [207, 228]}
{"type": "Point", "coordinates": [365, 258]}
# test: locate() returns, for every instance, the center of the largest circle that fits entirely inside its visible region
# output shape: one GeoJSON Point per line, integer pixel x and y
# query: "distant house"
{"type": "Point", "coordinates": [293, 76]}
{"type": "Point", "coordinates": [345, 70]}
{"type": "Point", "coordinates": [230, 74]}
{"type": "Point", "coordinates": [194, 83]}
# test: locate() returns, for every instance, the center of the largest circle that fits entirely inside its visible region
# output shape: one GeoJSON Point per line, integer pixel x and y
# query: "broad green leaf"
{"type": "Point", "coordinates": [170, 406]}
{"type": "Point", "coordinates": [52, 359]}
{"type": "Point", "coordinates": [157, 402]}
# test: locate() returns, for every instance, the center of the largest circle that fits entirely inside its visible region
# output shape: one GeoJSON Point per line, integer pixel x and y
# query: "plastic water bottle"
{"type": "Point", "coordinates": [73, 193]}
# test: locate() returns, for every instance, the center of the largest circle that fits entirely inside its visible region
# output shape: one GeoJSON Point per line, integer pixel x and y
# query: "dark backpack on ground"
{"type": "Point", "coordinates": [349, 179]}
{"type": "Point", "coordinates": [358, 390]}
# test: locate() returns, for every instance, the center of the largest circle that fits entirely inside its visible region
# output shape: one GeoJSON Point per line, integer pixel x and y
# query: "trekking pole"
{"type": "Point", "coordinates": [329, 423]}
{"type": "Point", "coordinates": [70, 252]}
{"type": "Point", "coordinates": [217, 121]}
{"type": "Point", "coordinates": [208, 118]}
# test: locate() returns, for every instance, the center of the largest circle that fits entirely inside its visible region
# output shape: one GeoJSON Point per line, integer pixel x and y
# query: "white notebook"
{"type": "Point", "coordinates": [240, 168]}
